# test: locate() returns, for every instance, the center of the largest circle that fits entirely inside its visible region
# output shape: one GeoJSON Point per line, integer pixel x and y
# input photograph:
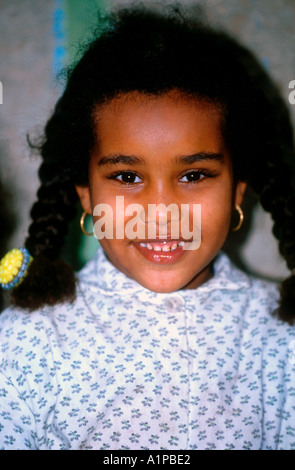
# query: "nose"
{"type": "Point", "coordinates": [161, 213]}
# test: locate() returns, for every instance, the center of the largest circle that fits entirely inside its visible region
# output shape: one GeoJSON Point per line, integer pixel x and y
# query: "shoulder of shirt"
{"type": "Point", "coordinates": [227, 276]}
{"type": "Point", "coordinates": [15, 320]}
{"type": "Point", "coordinates": [262, 297]}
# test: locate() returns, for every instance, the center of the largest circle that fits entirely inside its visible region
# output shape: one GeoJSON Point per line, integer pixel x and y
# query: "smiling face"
{"type": "Point", "coordinates": [167, 149]}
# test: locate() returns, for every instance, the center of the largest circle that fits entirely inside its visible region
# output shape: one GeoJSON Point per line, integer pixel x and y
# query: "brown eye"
{"type": "Point", "coordinates": [193, 176]}
{"type": "Point", "coordinates": [128, 177]}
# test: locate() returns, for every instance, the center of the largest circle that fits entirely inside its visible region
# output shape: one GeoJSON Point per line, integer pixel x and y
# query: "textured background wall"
{"type": "Point", "coordinates": [32, 45]}
{"type": "Point", "coordinates": [26, 45]}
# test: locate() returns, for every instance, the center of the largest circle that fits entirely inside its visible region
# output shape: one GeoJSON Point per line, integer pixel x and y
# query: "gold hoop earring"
{"type": "Point", "coordinates": [82, 225]}
{"type": "Point", "coordinates": [241, 219]}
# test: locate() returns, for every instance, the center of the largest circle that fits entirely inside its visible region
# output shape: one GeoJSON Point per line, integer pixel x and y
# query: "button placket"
{"type": "Point", "coordinates": [174, 303]}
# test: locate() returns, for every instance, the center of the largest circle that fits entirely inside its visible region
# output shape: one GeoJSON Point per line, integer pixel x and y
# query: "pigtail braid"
{"type": "Point", "coordinates": [49, 279]}
{"type": "Point", "coordinates": [284, 231]}
{"type": "Point", "coordinates": [277, 196]}
{"type": "Point", "coordinates": [50, 215]}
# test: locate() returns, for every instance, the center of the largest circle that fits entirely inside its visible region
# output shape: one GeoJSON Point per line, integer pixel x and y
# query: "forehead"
{"type": "Point", "coordinates": [172, 119]}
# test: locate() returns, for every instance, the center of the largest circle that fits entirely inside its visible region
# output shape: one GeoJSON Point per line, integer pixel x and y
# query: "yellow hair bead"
{"type": "Point", "coordinates": [13, 267]}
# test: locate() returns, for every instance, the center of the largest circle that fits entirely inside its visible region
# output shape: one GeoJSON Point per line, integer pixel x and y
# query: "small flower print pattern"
{"type": "Point", "coordinates": [126, 368]}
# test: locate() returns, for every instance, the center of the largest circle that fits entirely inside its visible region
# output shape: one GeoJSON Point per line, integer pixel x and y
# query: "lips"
{"type": "Point", "coordinates": [161, 251]}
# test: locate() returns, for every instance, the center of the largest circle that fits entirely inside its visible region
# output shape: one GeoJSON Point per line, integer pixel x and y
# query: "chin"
{"type": "Point", "coordinates": [164, 290]}
{"type": "Point", "coordinates": [159, 286]}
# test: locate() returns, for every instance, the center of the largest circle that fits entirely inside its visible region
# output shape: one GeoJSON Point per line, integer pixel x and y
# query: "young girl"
{"type": "Point", "coordinates": [155, 344]}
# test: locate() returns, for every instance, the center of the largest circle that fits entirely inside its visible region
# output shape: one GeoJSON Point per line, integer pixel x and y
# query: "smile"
{"type": "Point", "coordinates": [162, 246]}
{"type": "Point", "coordinates": [161, 251]}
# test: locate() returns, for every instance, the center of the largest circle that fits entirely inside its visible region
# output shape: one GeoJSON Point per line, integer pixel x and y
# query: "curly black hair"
{"type": "Point", "coordinates": [151, 52]}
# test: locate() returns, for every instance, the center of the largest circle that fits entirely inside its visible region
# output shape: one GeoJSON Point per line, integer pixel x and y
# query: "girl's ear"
{"type": "Point", "coordinates": [85, 198]}
{"type": "Point", "coordinates": [239, 192]}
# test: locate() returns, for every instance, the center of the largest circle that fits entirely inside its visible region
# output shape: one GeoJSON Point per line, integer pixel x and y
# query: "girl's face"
{"type": "Point", "coordinates": [170, 150]}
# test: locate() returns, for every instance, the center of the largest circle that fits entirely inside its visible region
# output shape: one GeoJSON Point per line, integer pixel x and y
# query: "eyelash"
{"type": "Point", "coordinates": [204, 173]}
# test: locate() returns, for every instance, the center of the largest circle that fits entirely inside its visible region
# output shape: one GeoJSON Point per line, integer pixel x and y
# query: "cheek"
{"type": "Point", "coordinates": [216, 215]}
{"type": "Point", "coordinates": [215, 220]}
{"type": "Point", "coordinates": [110, 216]}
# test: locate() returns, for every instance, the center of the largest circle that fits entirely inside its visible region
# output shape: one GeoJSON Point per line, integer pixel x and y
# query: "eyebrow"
{"type": "Point", "coordinates": [199, 157]}
{"type": "Point", "coordinates": [116, 159]}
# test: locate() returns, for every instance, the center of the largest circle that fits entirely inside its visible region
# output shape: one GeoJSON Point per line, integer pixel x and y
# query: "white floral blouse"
{"type": "Point", "coordinates": [126, 368]}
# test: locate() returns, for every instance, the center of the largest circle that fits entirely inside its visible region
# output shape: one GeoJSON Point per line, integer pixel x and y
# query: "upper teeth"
{"type": "Point", "coordinates": [162, 246]}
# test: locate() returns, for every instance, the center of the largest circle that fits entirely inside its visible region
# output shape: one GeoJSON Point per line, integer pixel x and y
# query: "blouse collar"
{"type": "Point", "coordinates": [99, 274]}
